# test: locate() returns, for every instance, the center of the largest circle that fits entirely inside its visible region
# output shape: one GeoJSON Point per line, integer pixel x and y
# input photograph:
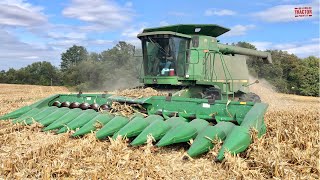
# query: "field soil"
{"type": "Point", "coordinates": [289, 149]}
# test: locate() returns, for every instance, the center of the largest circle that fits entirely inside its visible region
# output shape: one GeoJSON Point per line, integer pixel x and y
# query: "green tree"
{"type": "Point", "coordinates": [73, 56]}
{"type": "Point", "coordinates": [39, 73]}
{"type": "Point", "coordinates": [119, 55]}
{"type": "Point", "coordinates": [11, 76]}
{"type": "Point", "coordinates": [3, 76]}
{"type": "Point", "coordinates": [93, 56]}
{"type": "Point", "coordinates": [113, 68]}
{"type": "Point", "coordinates": [246, 45]}
{"type": "Point", "coordinates": [309, 77]}
{"type": "Point", "coordinates": [287, 63]}
{"type": "Point", "coordinates": [254, 63]}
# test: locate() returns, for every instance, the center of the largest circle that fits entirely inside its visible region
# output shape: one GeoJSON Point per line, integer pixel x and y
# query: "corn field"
{"type": "Point", "coordinates": [289, 149]}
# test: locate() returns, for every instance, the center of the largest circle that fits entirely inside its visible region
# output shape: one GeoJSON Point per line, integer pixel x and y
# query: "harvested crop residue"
{"type": "Point", "coordinates": [126, 110]}
{"type": "Point", "coordinates": [289, 150]}
{"type": "Point", "coordinates": [140, 92]}
{"type": "Point", "coordinates": [15, 96]}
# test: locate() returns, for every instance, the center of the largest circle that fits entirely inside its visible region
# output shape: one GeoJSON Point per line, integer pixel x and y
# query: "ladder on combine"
{"type": "Point", "coordinates": [211, 75]}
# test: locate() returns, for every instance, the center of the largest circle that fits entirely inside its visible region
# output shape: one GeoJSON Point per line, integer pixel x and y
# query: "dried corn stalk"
{"type": "Point", "coordinates": [140, 92]}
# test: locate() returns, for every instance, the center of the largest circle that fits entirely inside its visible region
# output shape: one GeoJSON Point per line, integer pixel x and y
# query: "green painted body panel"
{"type": "Point", "coordinates": [112, 127]}
{"type": "Point", "coordinates": [183, 132]}
{"type": "Point", "coordinates": [201, 63]}
{"type": "Point", "coordinates": [173, 130]}
{"type": "Point", "coordinates": [189, 29]}
{"type": "Point", "coordinates": [42, 114]}
{"type": "Point", "coordinates": [157, 130]}
{"type": "Point", "coordinates": [78, 122]}
{"type": "Point", "coordinates": [173, 80]}
{"type": "Point", "coordinates": [101, 119]}
{"type": "Point", "coordinates": [17, 113]}
{"type": "Point", "coordinates": [54, 116]}
{"type": "Point", "coordinates": [65, 118]}
{"type": "Point", "coordinates": [164, 32]}
{"type": "Point", "coordinates": [152, 118]}
{"type": "Point", "coordinates": [27, 115]}
{"type": "Point", "coordinates": [203, 142]}
{"type": "Point", "coordinates": [205, 61]}
{"type": "Point", "coordinates": [189, 107]}
{"type": "Point", "coordinates": [133, 128]}
{"type": "Point", "coordinates": [237, 141]}
{"type": "Point", "coordinates": [136, 126]}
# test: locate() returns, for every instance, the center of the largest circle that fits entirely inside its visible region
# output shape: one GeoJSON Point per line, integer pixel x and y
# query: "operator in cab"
{"type": "Point", "coordinates": [166, 59]}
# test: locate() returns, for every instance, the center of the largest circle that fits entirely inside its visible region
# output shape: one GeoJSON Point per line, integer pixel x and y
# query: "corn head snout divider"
{"type": "Point", "coordinates": [206, 96]}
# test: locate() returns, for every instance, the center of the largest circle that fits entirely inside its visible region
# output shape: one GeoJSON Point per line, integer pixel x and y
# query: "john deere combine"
{"type": "Point", "coordinates": [207, 85]}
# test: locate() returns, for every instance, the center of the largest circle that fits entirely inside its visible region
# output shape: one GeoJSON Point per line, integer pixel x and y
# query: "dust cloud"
{"type": "Point", "coordinates": [121, 84]}
{"type": "Point", "coordinates": [268, 94]}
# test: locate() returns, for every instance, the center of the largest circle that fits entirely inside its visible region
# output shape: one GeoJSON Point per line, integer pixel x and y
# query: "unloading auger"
{"type": "Point", "coordinates": [207, 85]}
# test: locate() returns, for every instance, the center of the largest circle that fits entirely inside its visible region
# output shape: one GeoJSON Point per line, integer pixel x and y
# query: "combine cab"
{"type": "Point", "coordinates": [207, 96]}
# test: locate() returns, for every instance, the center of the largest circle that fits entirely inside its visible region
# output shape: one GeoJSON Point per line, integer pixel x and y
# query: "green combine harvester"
{"type": "Point", "coordinates": [208, 97]}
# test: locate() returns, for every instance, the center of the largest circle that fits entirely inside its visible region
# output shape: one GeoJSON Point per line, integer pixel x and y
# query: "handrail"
{"type": "Point", "coordinates": [224, 66]}
{"type": "Point", "coordinates": [209, 75]}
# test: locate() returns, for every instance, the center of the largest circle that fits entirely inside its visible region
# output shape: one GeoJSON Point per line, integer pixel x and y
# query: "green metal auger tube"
{"type": "Point", "coordinates": [207, 97]}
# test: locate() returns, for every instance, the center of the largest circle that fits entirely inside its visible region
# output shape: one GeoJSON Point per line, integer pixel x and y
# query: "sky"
{"type": "Point", "coordinates": [40, 30]}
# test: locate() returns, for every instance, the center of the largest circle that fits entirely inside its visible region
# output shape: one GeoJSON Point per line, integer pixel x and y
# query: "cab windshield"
{"type": "Point", "coordinates": [164, 56]}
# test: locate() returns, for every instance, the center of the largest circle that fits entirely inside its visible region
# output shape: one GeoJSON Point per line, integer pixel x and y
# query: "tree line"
{"type": "Point", "coordinates": [288, 73]}
{"type": "Point", "coordinates": [80, 70]}
{"type": "Point", "coordinates": [118, 68]}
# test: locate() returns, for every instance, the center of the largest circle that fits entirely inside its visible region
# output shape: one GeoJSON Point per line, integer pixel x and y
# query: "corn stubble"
{"type": "Point", "coordinates": [289, 150]}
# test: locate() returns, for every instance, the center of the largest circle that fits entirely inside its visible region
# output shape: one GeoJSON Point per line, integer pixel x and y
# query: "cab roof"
{"type": "Point", "coordinates": [192, 29]}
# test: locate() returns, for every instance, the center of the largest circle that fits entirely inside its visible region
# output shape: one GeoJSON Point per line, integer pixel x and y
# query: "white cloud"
{"type": "Point", "coordinates": [135, 42]}
{"type": "Point", "coordinates": [262, 45]}
{"type": "Point", "coordinates": [70, 35]}
{"type": "Point", "coordinates": [130, 35]}
{"type": "Point", "coordinates": [93, 27]}
{"type": "Point", "coordinates": [20, 13]}
{"type": "Point", "coordinates": [176, 13]}
{"type": "Point", "coordinates": [101, 42]}
{"type": "Point", "coordinates": [48, 41]}
{"type": "Point", "coordinates": [104, 14]}
{"type": "Point", "coordinates": [284, 46]}
{"type": "Point", "coordinates": [15, 53]}
{"type": "Point", "coordinates": [219, 12]}
{"type": "Point", "coordinates": [239, 30]}
{"type": "Point", "coordinates": [132, 32]}
{"type": "Point", "coordinates": [128, 4]}
{"type": "Point", "coordinates": [315, 39]}
{"type": "Point", "coordinates": [66, 43]}
{"type": "Point", "coordinates": [285, 13]}
{"type": "Point", "coordinates": [32, 57]}
{"type": "Point", "coordinates": [308, 48]}
{"type": "Point", "coordinates": [305, 50]}
{"type": "Point", "coordinates": [63, 44]}
{"type": "Point", "coordinates": [163, 23]}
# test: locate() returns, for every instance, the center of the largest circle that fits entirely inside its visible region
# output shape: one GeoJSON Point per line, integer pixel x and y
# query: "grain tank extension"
{"type": "Point", "coordinates": [206, 86]}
